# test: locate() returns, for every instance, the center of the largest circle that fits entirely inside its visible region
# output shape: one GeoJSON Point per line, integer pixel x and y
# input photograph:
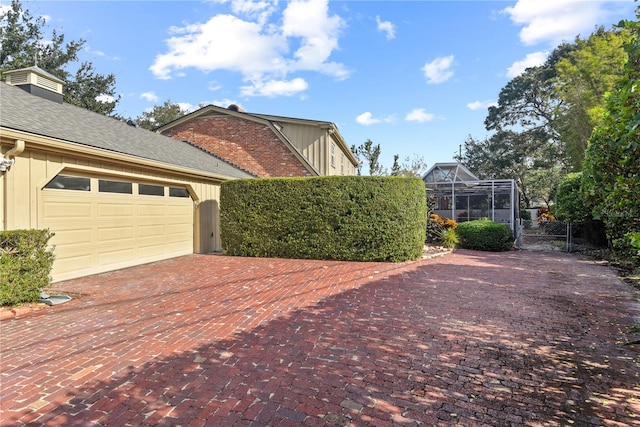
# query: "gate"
{"type": "Point", "coordinates": [545, 235]}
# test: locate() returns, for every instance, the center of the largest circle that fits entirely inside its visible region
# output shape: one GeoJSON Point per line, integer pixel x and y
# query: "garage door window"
{"type": "Point", "coordinates": [150, 190]}
{"type": "Point", "coordinates": [66, 182]}
{"type": "Point", "coordinates": [178, 192]}
{"type": "Point", "coordinates": [105, 186]}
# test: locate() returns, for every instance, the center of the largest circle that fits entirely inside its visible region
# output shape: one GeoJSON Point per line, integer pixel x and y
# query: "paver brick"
{"type": "Point", "coordinates": [471, 338]}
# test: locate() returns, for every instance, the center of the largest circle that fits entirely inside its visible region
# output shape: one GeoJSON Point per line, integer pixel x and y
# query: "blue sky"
{"type": "Point", "coordinates": [415, 77]}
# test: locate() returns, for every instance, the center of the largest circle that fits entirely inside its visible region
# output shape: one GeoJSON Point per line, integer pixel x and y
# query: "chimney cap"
{"type": "Point", "coordinates": [234, 107]}
{"type": "Point", "coordinates": [37, 70]}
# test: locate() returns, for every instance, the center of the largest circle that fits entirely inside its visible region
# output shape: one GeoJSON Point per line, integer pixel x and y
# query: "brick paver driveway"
{"type": "Point", "coordinates": [471, 338]}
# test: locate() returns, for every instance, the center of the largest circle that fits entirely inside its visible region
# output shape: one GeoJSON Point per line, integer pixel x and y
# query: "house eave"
{"type": "Point", "coordinates": [58, 146]}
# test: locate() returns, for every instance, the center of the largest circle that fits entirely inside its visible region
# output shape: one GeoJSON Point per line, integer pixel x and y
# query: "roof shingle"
{"type": "Point", "coordinates": [24, 112]}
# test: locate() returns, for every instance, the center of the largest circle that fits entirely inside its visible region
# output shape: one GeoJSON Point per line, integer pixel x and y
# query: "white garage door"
{"type": "Point", "coordinates": [107, 224]}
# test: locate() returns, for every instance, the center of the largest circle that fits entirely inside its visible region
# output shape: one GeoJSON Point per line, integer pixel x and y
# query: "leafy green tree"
{"type": "Point", "coordinates": [570, 205]}
{"type": "Point", "coordinates": [160, 115]}
{"type": "Point", "coordinates": [23, 44]}
{"type": "Point", "coordinates": [582, 79]}
{"type": "Point", "coordinates": [529, 100]}
{"type": "Point", "coordinates": [369, 153]}
{"type": "Point", "coordinates": [91, 91]}
{"type": "Point", "coordinates": [526, 157]}
{"type": "Point", "coordinates": [611, 176]}
{"type": "Point", "coordinates": [395, 168]}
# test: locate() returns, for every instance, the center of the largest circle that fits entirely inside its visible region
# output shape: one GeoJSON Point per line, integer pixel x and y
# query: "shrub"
{"type": "Point", "coordinates": [571, 206]}
{"type": "Point", "coordinates": [25, 265]}
{"type": "Point", "coordinates": [448, 237]}
{"type": "Point", "coordinates": [485, 235]}
{"type": "Point", "coordinates": [442, 231]}
{"type": "Point", "coordinates": [343, 218]}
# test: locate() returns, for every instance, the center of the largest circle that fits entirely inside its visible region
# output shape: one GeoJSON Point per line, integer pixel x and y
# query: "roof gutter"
{"type": "Point", "coordinates": [9, 160]}
{"type": "Point", "coordinates": [56, 145]}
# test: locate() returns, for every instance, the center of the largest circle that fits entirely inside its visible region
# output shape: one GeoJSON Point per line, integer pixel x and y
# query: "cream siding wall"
{"type": "Point", "coordinates": [315, 144]}
{"type": "Point", "coordinates": [22, 184]}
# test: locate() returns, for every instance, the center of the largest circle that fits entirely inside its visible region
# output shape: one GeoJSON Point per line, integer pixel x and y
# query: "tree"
{"type": "Point", "coordinates": [545, 116]}
{"type": "Point", "coordinates": [583, 77]}
{"type": "Point", "coordinates": [529, 100]}
{"type": "Point", "coordinates": [611, 174]}
{"type": "Point", "coordinates": [411, 166]}
{"type": "Point", "coordinates": [526, 157]}
{"type": "Point", "coordinates": [369, 153]}
{"type": "Point", "coordinates": [571, 206]}
{"type": "Point", "coordinates": [160, 115]}
{"type": "Point", "coordinates": [87, 90]}
{"type": "Point", "coordinates": [24, 44]}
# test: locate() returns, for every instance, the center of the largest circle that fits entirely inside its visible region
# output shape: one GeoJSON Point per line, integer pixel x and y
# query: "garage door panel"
{"type": "Point", "coordinates": [72, 236]}
{"type": "Point", "coordinates": [147, 210]}
{"type": "Point", "coordinates": [179, 248]}
{"type": "Point", "coordinates": [123, 234]}
{"type": "Point", "coordinates": [152, 251]}
{"type": "Point", "coordinates": [106, 210]}
{"type": "Point", "coordinates": [152, 230]}
{"type": "Point", "coordinates": [178, 211]}
{"type": "Point", "coordinates": [110, 257]}
{"type": "Point", "coordinates": [178, 230]}
{"type": "Point", "coordinates": [74, 262]}
{"type": "Point", "coordinates": [97, 232]}
{"type": "Point", "coordinates": [67, 210]}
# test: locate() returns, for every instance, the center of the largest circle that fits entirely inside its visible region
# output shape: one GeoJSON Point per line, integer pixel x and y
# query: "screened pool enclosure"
{"type": "Point", "coordinates": [456, 193]}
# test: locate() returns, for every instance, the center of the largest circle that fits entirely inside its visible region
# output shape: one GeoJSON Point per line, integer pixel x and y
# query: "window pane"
{"type": "Point", "coordinates": [105, 186]}
{"type": "Point", "coordinates": [64, 182]}
{"type": "Point", "coordinates": [150, 190]}
{"type": "Point", "coordinates": [178, 192]}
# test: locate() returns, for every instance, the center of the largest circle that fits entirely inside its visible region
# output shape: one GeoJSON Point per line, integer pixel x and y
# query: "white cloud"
{"type": "Point", "coordinates": [105, 98]}
{"type": "Point", "coordinates": [187, 107]}
{"type": "Point", "coordinates": [367, 119]}
{"type": "Point", "coordinates": [554, 21]}
{"type": "Point", "coordinates": [214, 85]}
{"type": "Point", "coordinates": [387, 28]}
{"type": "Point", "coordinates": [258, 45]}
{"type": "Point", "coordinates": [273, 88]}
{"type": "Point", "coordinates": [149, 96]}
{"type": "Point", "coordinates": [260, 10]}
{"type": "Point", "coordinates": [419, 115]}
{"type": "Point", "coordinates": [481, 105]}
{"type": "Point", "coordinates": [438, 70]}
{"type": "Point", "coordinates": [317, 33]}
{"type": "Point", "coordinates": [224, 103]}
{"type": "Point", "coordinates": [531, 60]}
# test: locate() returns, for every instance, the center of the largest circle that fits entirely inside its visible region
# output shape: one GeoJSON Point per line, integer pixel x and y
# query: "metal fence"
{"type": "Point", "coordinates": [545, 235]}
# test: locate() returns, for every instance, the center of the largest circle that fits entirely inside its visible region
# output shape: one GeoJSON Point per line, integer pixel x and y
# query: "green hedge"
{"type": "Point", "coordinates": [485, 235]}
{"type": "Point", "coordinates": [342, 218]}
{"type": "Point", "coordinates": [25, 265]}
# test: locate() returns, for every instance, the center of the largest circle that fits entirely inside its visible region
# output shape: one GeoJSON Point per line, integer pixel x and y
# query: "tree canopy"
{"type": "Point", "coordinates": [369, 153]}
{"type": "Point", "coordinates": [24, 43]}
{"type": "Point", "coordinates": [545, 116]}
{"type": "Point", "coordinates": [160, 115]}
{"type": "Point", "coordinates": [611, 175]}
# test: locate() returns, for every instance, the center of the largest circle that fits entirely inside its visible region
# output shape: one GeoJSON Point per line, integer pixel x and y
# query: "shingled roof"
{"type": "Point", "coordinates": [28, 113]}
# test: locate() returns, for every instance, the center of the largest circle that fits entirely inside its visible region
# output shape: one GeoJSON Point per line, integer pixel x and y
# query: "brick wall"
{"type": "Point", "coordinates": [246, 144]}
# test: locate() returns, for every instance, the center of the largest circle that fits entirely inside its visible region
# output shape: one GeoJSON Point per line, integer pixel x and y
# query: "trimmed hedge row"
{"type": "Point", "coordinates": [485, 235]}
{"type": "Point", "coordinates": [340, 218]}
{"type": "Point", "coordinates": [25, 265]}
